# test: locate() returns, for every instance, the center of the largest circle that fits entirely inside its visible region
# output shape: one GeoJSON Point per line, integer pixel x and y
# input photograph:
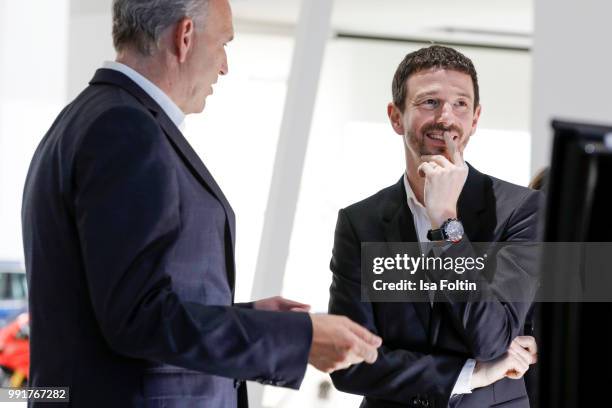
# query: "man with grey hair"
{"type": "Point", "coordinates": [129, 241]}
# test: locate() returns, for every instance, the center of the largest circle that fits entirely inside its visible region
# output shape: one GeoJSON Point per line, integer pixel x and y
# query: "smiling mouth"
{"type": "Point", "coordinates": [439, 136]}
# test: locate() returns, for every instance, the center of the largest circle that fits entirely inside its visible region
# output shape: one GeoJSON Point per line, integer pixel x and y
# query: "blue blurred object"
{"type": "Point", "coordinates": [13, 290]}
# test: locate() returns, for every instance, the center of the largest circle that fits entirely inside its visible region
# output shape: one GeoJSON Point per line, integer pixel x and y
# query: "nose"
{"type": "Point", "coordinates": [224, 65]}
{"type": "Point", "coordinates": [446, 117]}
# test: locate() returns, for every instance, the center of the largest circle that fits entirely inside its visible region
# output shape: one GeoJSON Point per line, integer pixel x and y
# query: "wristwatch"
{"type": "Point", "coordinates": [451, 231]}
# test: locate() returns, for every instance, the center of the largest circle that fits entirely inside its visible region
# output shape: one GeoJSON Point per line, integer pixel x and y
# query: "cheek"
{"type": "Point", "coordinates": [416, 121]}
{"type": "Point", "coordinates": [467, 123]}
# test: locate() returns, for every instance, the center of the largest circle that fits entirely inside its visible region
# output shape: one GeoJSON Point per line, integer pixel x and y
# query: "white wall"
{"type": "Point", "coordinates": [33, 47]}
{"type": "Point", "coordinates": [89, 42]}
{"type": "Point", "coordinates": [572, 67]}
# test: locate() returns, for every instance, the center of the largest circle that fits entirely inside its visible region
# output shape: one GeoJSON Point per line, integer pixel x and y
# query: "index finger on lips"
{"type": "Point", "coordinates": [453, 149]}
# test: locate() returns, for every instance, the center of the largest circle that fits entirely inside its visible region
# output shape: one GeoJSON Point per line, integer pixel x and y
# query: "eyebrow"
{"type": "Point", "coordinates": [465, 95]}
{"type": "Point", "coordinates": [424, 94]}
{"type": "Point", "coordinates": [434, 93]}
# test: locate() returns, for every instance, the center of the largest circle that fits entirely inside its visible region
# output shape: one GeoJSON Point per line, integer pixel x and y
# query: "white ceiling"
{"type": "Point", "coordinates": [406, 18]}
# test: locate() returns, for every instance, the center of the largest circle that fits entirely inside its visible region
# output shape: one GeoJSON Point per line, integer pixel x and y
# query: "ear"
{"type": "Point", "coordinates": [184, 38]}
{"type": "Point", "coordinates": [395, 117]}
{"type": "Point", "coordinates": [475, 119]}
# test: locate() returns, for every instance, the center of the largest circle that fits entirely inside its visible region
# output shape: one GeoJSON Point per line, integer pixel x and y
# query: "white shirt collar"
{"type": "Point", "coordinates": [410, 197]}
{"type": "Point", "coordinates": [170, 108]}
{"type": "Point", "coordinates": [419, 217]}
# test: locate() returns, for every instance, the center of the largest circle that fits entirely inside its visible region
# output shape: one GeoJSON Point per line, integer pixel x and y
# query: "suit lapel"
{"type": "Point", "coordinates": [399, 226]}
{"type": "Point", "coordinates": [181, 145]}
{"type": "Point", "coordinates": [198, 168]}
{"type": "Point", "coordinates": [472, 202]}
{"type": "Point", "coordinates": [196, 165]}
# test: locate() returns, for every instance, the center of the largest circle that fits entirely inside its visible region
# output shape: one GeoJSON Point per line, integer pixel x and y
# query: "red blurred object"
{"type": "Point", "coordinates": [15, 351]}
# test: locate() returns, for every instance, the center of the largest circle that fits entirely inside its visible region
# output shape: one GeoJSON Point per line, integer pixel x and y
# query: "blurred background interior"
{"type": "Point", "coordinates": [298, 129]}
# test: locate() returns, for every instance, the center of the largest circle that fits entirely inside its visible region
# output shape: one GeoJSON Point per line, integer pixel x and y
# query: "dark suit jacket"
{"type": "Point", "coordinates": [129, 247]}
{"type": "Point", "coordinates": [424, 348]}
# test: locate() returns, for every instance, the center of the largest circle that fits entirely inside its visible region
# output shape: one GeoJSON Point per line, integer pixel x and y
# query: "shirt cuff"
{"type": "Point", "coordinates": [462, 385]}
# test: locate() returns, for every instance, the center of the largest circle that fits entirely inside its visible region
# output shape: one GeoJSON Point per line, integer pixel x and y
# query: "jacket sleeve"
{"type": "Point", "coordinates": [126, 204]}
{"type": "Point", "coordinates": [496, 314]}
{"type": "Point", "coordinates": [398, 375]}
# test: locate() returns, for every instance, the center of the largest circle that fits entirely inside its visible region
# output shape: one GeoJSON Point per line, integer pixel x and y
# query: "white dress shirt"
{"type": "Point", "coordinates": [170, 108]}
{"type": "Point", "coordinates": [422, 225]}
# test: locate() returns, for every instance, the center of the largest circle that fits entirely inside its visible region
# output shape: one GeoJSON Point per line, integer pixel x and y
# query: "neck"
{"type": "Point", "coordinates": [154, 69]}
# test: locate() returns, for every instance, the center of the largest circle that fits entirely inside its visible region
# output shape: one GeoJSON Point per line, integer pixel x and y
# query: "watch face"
{"type": "Point", "coordinates": [454, 230]}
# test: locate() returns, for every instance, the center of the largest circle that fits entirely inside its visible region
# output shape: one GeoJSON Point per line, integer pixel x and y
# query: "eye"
{"type": "Point", "coordinates": [461, 104]}
{"type": "Point", "coordinates": [430, 103]}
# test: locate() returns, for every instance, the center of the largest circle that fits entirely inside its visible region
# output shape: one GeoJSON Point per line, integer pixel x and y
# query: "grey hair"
{"type": "Point", "coordinates": [139, 23]}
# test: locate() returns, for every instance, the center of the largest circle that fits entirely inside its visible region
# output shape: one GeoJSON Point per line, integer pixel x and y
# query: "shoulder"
{"type": "Point", "coordinates": [103, 115]}
{"type": "Point", "coordinates": [121, 130]}
{"type": "Point", "coordinates": [118, 132]}
{"type": "Point", "coordinates": [513, 195]}
{"type": "Point", "coordinates": [99, 103]}
{"type": "Point", "coordinates": [514, 209]}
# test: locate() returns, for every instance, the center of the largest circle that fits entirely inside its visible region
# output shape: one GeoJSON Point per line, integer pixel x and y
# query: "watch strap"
{"type": "Point", "coordinates": [435, 234]}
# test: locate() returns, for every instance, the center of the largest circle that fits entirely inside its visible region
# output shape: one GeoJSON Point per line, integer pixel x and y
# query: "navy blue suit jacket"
{"type": "Point", "coordinates": [424, 348]}
{"type": "Point", "coordinates": [129, 247]}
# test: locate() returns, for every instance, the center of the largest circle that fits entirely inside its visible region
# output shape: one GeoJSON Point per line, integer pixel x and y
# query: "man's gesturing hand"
{"type": "Point", "coordinates": [338, 343]}
{"type": "Point", "coordinates": [444, 180]}
{"type": "Point", "coordinates": [280, 304]}
{"type": "Point", "coordinates": [514, 364]}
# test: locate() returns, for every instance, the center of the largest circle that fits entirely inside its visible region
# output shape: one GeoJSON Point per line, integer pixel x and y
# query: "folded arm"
{"type": "Point", "coordinates": [497, 313]}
